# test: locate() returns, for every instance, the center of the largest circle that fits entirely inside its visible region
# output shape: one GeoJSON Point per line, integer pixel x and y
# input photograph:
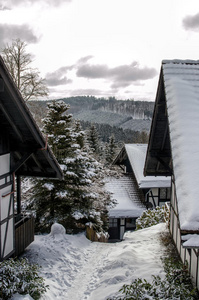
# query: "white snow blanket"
{"type": "Point", "coordinates": [78, 269]}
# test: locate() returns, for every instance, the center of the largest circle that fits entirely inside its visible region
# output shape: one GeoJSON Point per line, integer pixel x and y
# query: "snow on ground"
{"type": "Point", "coordinates": [78, 269]}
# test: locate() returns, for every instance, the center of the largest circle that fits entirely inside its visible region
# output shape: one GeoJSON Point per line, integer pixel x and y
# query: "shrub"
{"type": "Point", "coordinates": [18, 276]}
{"type": "Point", "coordinates": [176, 285]}
{"type": "Point", "coordinates": [152, 217]}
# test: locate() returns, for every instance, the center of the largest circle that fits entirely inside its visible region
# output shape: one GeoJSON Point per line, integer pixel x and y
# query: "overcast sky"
{"type": "Point", "coordinates": [102, 47]}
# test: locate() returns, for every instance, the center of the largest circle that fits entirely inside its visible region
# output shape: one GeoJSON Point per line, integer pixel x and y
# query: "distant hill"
{"type": "Point", "coordinates": [128, 115]}
{"type": "Point", "coordinates": [135, 109]}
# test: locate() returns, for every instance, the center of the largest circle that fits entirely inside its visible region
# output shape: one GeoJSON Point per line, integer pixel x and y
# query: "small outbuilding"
{"type": "Point", "coordinates": [23, 152]}
{"type": "Point", "coordinates": [173, 150]}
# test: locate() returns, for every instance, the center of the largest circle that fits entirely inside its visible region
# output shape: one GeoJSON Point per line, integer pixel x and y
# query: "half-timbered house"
{"type": "Point", "coordinates": [173, 150]}
{"type": "Point", "coordinates": [155, 189]}
{"type": "Point", "coordinates": [134, 192]}
{"type": "Point", "coordinates": [129, 206]}
{"type": "Point", "coordinates": [23, 152]}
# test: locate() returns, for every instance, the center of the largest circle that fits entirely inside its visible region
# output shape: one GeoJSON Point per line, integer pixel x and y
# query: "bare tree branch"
{"type": "Point", "coordinates": [26, 78]}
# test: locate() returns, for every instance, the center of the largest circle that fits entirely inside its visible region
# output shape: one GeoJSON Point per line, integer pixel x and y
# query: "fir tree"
{"type": "Point", "coordinates": [110, 150]}
{"type": "Point", "coordinates": [93, 139]}
{"type": "Point", "coordinates": [78, 198]}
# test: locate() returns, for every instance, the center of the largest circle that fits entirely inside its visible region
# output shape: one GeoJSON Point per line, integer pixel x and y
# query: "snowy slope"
{"type": "Point", "coordinates": [78, 269]}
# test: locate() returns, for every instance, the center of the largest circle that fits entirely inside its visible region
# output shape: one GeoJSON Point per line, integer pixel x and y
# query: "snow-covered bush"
{"type": "Point", "coordinates": [152, 217]}
{"type": "Point", "coordinates": [19, 276]}
{"type": "Point", "coordinates": [176, 285]}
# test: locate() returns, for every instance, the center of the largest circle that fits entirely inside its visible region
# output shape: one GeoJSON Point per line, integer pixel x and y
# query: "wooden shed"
{"type": "Point", "coordinates": [23, 152]}
{"type": "Point", "coordinates": [173, 150]}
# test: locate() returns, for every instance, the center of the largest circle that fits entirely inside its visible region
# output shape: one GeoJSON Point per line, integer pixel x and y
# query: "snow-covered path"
{"type": "Point", "coordinates": [77, 269]}
{"type": "Point", "coordinates": [88, 276]}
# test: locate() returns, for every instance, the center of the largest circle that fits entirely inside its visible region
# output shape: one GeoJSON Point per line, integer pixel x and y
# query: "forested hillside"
{"type": "Point", "coordinates": [127, 120]}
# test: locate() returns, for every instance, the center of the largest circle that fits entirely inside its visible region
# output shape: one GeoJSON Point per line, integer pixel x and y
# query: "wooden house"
{"type": "Point", "coordinates": [122, 217]}
{"type": "Point", "coordinates": [173, 150]}
{"type": "Point", "coordinates": [23, 152]}
{"type": "Point", "coordinates": [155, 190]}
{"type": "Point", "coordinates": [134, 192]}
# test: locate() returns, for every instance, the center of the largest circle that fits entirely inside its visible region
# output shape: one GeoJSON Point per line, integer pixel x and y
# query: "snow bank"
{"type": "Point", "coordinates": [20, 297]}
{"type": "Point", "coordinates": [57, 229]}
{"type": "Point", "coordinates": [77, 269]}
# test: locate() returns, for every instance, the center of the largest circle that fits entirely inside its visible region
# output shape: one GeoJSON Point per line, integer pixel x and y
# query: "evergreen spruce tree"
{"type": "Point", "coordinates": [110, 150]}
{"type": "Point", "coordinates": [78, 198]}
{"type": "Point", "coordinates": [93, 139]}
{"type": "Point", "coordinates": [51, 200]}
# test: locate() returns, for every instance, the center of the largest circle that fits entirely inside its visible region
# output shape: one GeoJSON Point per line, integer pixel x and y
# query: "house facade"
{"type": "Point", "coordinates": [134, 192]}
{"type": "Point", "coordinates": [23, 152]}
{"type": "Point", "coordinates": [129, 206]}
{"type": "Point", "coordinates": [155, 190]}
{"type": "Point", "coordinates": [173, 151]}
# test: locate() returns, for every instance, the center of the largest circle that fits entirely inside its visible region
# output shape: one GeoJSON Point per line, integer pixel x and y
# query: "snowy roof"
{"type": "Point", "coordinates": [182, 95]}
{"type": "Point", "coordinates": [30, 154]}
{"type": "Point", "coordinates": [123, 190]}
{"type": "Point", "coordinates": [176, 115]}
{"type": "Point", "coordinates": [137, 154]}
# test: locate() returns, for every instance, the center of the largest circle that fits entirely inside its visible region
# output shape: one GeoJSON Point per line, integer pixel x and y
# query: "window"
{"type": "Point", "coordinates": [165, 193]}
{"type": "Point", "coordinates": [112, 222]}
{"type": "Point", "coordinates": [130, 223]}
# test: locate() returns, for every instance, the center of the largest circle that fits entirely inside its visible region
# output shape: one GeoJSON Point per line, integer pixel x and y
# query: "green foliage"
{"type": "Point", "coordinates": [18, 276]}
{"type": "Point", "coordinates": [176, 285]}
{"type": "Point", "coordinates": [110, 150]}
{"type": "Point", "coordinates": [78, 198]}
{"type": "Point", "coordinates": [152, 217]}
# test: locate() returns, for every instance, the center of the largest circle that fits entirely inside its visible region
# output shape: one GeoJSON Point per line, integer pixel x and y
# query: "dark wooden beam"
{"type": "Point", "coordinates": [11, 122]}
{"type": "Point", "coordinates": [166, 166]}
{"type": "Point", "coordinates": [1, 85]}
{"type": "Point", "coordinates": [18, 195]}
{"type": "Point", "coordinates": [21, 161]}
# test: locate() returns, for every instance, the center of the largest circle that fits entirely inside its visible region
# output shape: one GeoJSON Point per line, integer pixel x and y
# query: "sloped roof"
{"type": "Point", "coordinates": [125, 191]}
{"type": "Point", "coordinates": [23, 137]}
{"type": "Point", "coordinates": [136, 154]}
{"type": "Point", "coordinates": [178, 93]}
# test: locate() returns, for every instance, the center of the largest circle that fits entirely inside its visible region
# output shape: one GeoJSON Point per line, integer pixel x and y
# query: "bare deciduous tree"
{"type": "Point", "coordinates": [26, 78]}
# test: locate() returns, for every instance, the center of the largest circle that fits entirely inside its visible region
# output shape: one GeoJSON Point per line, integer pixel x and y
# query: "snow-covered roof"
{"type": "Point", "coordinates": [128, 201]}
{"type": "Point", "coordinates": [137, 154]}
{"type": "Point", "coordinates": [181, 81]}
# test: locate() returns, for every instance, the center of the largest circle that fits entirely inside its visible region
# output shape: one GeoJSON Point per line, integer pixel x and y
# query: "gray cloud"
{"type": "Point", "coordinates": [121, 76]}
{"type": "Point", "coordinates": [58, 77]}
{"type": "Point", "coordinates": [191, 22]}
{"type": "Point", "coordinates": [7, 4]}
{"type": "Point", "coordinates": [93, 71]}
{"type": "Point", "coordinates": [84, 59]}
{"type": "Point", "coordinates": [11, 32]}
{"type": "Point", "coordinates": [3, 7]}
{"type": "Point", "coordinates": [87, 92]}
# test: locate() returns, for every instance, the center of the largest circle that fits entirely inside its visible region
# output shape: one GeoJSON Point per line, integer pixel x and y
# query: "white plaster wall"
{"type": "Point", "coordinates": [9, 246]}
{"type": "Point", "coordinates": [4, 165]}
